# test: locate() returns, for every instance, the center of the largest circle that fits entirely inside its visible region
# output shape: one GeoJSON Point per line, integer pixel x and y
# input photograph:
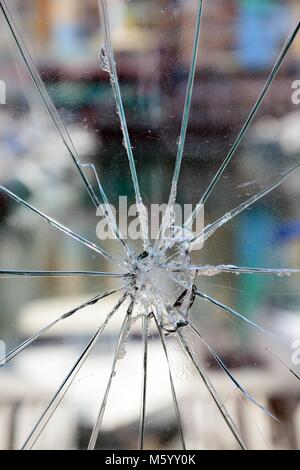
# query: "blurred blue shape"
{"type": "Point", "coordinates": [67, 39]}
{"type": "Point", "coordinates": [288, 231]}
{"type": "Point", "coordinates": [253, 247]}
{"type": "Point", "coordinates": [261, 28]}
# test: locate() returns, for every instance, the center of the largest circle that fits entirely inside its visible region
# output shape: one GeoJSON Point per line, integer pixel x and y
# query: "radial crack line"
{"type": "Point", "coordinates": [108, 212]}
{"type": "Point", "coordinates": [211, 228]}
{"type": "Point", "coordinates": [187, 105]}
{"type": "Point", "coordinates": [121, 113]}
{"type": "Point", "coordinates": [228, 309]}
{"type": "Point", "coordinates": [174, 396]}
{"type": "Point", "coordinates": [98, 423]}
{"type": "Point", "coordinates": [208, 270]}
{"type": "Point", "coordinates": [185, 116]}
{"type": "Point", "coordinates": [60, 227]}
{"type": "Point", "coordinates": [145, 326]}
{"type": "Point", "coordinates": [18, 349]}
{"type": "Point", "coordinates": [52, 111]}
{"type": "Point", "coordinates": [282, 363]}
{"type": "Point", "coordinates": [253, 112]}
{"type": "Point", "coordinates": [64, 387]}
{"type": "Point", "coordinates": [239, 315]}
{"type": "Point", "coordinates": [28, 273]}
{"type": "Point", "coordinates": [212, 391]}
{"type": "Point", "coordinates": [220, 362]}
{"type": "Point", "coordinates": [233, 312]}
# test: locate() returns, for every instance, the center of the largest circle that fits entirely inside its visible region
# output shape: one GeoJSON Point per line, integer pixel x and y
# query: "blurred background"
{"type": "Point", "coordinates": [239, 43]}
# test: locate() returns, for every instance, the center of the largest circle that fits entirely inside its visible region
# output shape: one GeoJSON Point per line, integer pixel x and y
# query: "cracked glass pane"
{"type": "Point", "coordinates": [149, 257]}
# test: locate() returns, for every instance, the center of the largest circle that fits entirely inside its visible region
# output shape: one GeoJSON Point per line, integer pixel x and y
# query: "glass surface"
{"type": "Point", "coordinates": [118, 330]}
